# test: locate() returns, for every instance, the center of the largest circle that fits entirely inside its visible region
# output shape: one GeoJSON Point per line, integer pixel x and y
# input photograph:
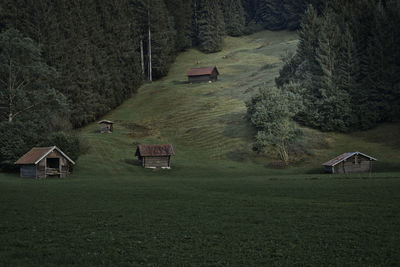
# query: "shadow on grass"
{"type": "Point", "coordinates": [316, 170]}
{"type": "Point", "coordinates": [238, 156]}
{"type": "Point", "coordinates": [381, 167]}
{"type": "Point", "coordinates": [175, 82]}
{"type": "Point", "coordinates": [385, 167]}
{"type": "Point", "coordinates": [132, 162]}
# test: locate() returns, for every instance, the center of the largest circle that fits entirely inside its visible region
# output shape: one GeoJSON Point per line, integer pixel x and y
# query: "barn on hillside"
{"type": "Point", "coordinates": [349, 162]}
{"type": "Point", "coordinates": [207, 74]}
{"type": "Point", "coordinates": [41, 162]}
{"type": "Point", "coordinates": [106, 126]}
{"type": "Point", "coordinates": [155, 156]}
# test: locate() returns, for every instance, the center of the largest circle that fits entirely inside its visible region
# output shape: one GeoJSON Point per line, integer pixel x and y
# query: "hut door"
{"type": "Point", "coordinates": [53, 167]}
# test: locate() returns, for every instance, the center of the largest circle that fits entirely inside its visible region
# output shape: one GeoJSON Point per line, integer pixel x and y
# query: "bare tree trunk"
{"type": "Point", "coordinates": [150, 67]}
{"type": "Point", "coordinates": [10, 97]}
{"type": "Point", "coordinates": [10, 116]}
{"type": "Point", "coordinates": [142, 56]}
{"type": "Point", "coordinates": [10, 108]}
{"type": "Point", "coordinates": [283, 153]}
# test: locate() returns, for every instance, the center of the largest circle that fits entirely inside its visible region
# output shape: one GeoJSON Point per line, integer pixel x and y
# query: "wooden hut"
{"type": "Point", "coordinates": [41, 162]}
{"type": "Point", "coordinates": [349, 162]}
{"type": "Point", "coordinates": [207, 74]}
{"type": "Point", "coordinates": [106, 126]}
{"type": "Point", "coordinates": [155, 156]}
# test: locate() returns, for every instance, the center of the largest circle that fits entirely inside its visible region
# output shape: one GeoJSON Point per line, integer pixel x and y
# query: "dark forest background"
{"type": "Point", "coordinates": [65, 63]}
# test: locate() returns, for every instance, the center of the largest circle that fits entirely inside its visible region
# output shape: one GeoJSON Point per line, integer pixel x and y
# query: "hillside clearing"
{"type": "Point", "coordinates": [207, 122]}
{"type": "Point", "coordinates": [220, 204]}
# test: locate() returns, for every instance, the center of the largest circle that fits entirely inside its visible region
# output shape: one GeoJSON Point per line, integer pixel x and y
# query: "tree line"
{"type": "Point", "coordinates": [347, 65]}
{"type": "Point", "coordinates": [344, 76]}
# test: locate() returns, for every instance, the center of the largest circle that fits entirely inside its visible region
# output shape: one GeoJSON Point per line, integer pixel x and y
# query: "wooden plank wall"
{"type": "Point", "coordinates": [28, 171]}
{"type": "Point", "coordinates": [156, 162]}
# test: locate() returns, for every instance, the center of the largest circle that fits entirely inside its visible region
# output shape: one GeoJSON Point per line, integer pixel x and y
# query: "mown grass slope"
{"type": "Point", "coordinates": [207, 122]}
{"type": "Point", "coordinates": [220, 204]}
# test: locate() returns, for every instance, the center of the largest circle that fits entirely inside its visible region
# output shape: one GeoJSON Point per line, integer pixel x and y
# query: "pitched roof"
{"type": "Point", "coordinates": [106, 121]}
{"type": "Point", "coordinates": [154, 150]}
{"type": "Point", "coordinates": [345, 156]}
{"type": "Point", "coordinates": [201, 71]}
{"type": "Point", "coordinates": [36, 154]}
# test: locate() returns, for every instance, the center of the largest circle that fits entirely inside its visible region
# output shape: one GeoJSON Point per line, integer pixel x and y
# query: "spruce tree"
{"type": "Point", "coordinates": [234, 17]}
{"type": "Point", "coordinates": [331, 102]}
{"type": "Point", "coordinates": [210, 26]}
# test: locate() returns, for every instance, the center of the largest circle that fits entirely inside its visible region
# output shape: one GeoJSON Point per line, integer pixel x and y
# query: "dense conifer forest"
{"type": "Point", "coordinates": [64, 64]}
{"type": "Point", "coordinates": [347, 65]}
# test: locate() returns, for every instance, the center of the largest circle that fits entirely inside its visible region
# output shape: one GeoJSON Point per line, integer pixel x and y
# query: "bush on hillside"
{"type": "Point", "coordinates": [17, 138]}
{"type": "Point", "coordinates": [271, 113]}
{"type": "Point", "coordinates": [69, 143]}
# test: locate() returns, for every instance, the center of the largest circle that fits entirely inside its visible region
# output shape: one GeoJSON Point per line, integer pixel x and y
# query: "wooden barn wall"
{"type": "Point", "coordinates": [64, 163]}
{"type": "Point", "coordinates": [156, 162]}
{"type": "Point", "coordinates": [28, 171]}
{"type": "Point", "coordinates": [214, 75]}
{"type": "Point", "coordinates": [199, 79]}
{"type": "Point", "coordinates": [105, 128]}
{"type": "Point", "coordinates": [351, 165]}
{"type": "Point", "coordinates": [41, 167]}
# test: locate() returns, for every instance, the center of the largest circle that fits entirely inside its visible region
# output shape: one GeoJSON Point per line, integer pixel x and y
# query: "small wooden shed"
{"type": "Point", "coordinates": [106, 126]}
{"type": "Point", "coordinates": [205, 74]}
{"type": "Point", "coordinates": [349, 162]}
{"type": "Point", "coordinates": [155, 156]}
{"type": "Point", "coordinates": [41, 162]}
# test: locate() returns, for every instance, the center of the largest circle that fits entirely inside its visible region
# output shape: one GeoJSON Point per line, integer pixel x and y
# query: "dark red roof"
{"type": "Point", "coordinates": [202, 71]}
{"type": "Point", "coordinates": [33, 155]}
{"type": "Point", "coordinates": [154, 150]}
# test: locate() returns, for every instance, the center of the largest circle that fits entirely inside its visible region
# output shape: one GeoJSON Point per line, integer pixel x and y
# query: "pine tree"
{"type": "Point", "coordinates": [182, 12]}
{"type": "Point", "coordinates": [234, 17]}
{"type": "Point", "coordinates": [163, 38]}
{"type": "Point", "coordinates": [210, 25]}
{"type": "Point", "coordinates": [25, 80]}
{"type": "Point", "coordinates": [270, 13]}
{"type": "Point", "coordinates": [333, 102]}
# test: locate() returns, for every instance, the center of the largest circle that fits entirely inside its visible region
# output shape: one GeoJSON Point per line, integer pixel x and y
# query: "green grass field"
{"type": "Point", "coordinates": [220, 204]}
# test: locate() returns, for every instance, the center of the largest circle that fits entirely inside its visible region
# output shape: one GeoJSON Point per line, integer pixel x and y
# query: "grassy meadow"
{"type": "Point", "coordinates": [220, 204]}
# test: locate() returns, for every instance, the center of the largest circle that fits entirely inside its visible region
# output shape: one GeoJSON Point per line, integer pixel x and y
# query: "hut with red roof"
{"type": "Point", "coordinates": [41, 162]}
{"type": "Point", "coordinates": [155, 156]}
{"type": "Point", "coordinates": [204, 74]}
{"type": "Point", "coordinates": [349, 162]}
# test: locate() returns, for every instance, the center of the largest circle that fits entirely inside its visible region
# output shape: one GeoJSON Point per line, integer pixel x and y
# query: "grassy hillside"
{"type": "Point", "coordinates": [220, 204]}
{"type": "Point", "coordinates": [206, 123]}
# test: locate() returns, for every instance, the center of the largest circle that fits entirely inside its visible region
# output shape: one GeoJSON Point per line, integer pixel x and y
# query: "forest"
{"type": "Point", "coordinates": [64, 64]}
{"type": "Point", "coordinates": [343, 77]}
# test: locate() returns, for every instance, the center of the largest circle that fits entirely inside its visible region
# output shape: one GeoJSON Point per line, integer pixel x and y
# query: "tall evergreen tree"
{"type": "Point", "coordinates": [345, 65]}
{"type": "Point", "coordinates": [210, 25]}
{"type": "Point", "coordinates": [233, 16]}
{"type": "Point", "coordinates": [25, 80]}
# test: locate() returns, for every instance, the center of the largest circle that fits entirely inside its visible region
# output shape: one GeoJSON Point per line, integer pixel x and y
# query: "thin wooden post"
{"type": "Point", "coordinates": [45, 167]}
